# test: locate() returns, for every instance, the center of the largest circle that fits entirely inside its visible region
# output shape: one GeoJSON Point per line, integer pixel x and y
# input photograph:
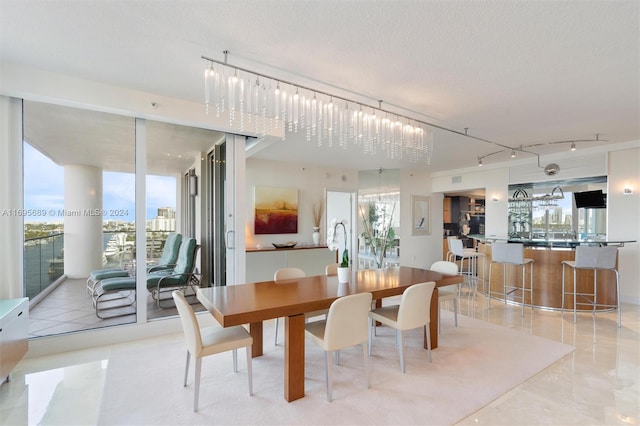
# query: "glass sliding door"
{"type": "Point", "coordinates": [177, 200]}
{"type": "Point", "coordinates": [79, 209]}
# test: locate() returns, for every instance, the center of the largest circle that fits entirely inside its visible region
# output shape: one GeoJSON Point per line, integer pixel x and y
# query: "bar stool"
{"type": "Point", "coordinates": [511, 254]}
{"type": "Point", "coordinates": [458, 252]}
{"type": "Point", "coordinates": [595, 259]}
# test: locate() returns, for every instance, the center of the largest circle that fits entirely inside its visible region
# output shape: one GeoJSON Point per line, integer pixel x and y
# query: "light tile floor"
{"type": "Point", "coordinates": [69, 308]}
{"type": "Point", "coordinates": [598, 384]}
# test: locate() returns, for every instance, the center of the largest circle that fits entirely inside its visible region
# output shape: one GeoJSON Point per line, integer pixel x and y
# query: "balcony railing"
{"type": "Point", "coordinates": [44, 256]}
{"type": "Point", "coordinates": [43, 263]}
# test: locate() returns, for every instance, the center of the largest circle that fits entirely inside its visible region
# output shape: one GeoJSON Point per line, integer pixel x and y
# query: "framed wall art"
{"type": "Point", "coordinates": [276, 210]}
{"type": "Point", "coordinates": [420, 215]}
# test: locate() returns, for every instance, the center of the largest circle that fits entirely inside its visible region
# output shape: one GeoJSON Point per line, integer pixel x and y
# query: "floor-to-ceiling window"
{"type": "Point", "coordinates": [378, 218]}
{"type": "Point", "coordinates": [80, 191]}
{"type": "Point", "coordinates": [79, 180]}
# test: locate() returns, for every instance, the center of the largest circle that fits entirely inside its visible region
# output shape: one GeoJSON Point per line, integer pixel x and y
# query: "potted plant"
{"type": "Point", "coordinates": [333, 244]}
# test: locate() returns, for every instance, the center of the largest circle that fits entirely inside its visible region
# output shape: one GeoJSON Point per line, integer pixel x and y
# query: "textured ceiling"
{"type": "Point", "coordinates": [517, 73]}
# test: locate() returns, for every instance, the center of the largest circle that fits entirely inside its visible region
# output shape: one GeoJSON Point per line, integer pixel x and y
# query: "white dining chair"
{"type": "Point", "coordinates": [412, 312]}
{"type": "Point", "coordinates": [345, 326]}
{"type": "Point", "coordinates": [210, 341]}
{"type": "Point", "coordinates": [281, 275]}
{"type": "Point", "coordinates": [447, 293]}
{"type": "Point", "coordinates": [331, 270]}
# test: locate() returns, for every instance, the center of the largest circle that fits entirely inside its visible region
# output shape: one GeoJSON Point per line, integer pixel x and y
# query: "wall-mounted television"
{"type": "Point", "coordinates": [591, 199]}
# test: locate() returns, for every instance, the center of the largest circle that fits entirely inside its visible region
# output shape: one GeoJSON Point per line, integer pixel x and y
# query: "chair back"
{"type": "Point", "coordinates": [444, 267]}
{"type": "Point", "coordinates": [596, 257]}
{"type": "Point", "coordinates": [331, 269]}
{"type": "Point", "coordinates": [186, 257]}
{"type": "Point", "coordinates": [512, 253]}
{"type": "Point", "coordinates": [415, 306]}
{"type": "Point", "coordinates": [449, 242]}
{"type": "Point", "coordinates": [347, 321]}
{"type": "Point", "coordinates": [455, 246]}
{"type": "Point", "coordinates": [190, 326]}
{"type": "Point", "coordinates": [288, 274]}
{"type": "Point", "coordinates": [170, 249]}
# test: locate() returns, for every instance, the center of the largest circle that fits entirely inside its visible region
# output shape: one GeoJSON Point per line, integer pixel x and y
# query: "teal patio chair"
{"type": "Point", "coordinates": [166, 261]}
{"type": "Point", "coordinates": [119, 292]}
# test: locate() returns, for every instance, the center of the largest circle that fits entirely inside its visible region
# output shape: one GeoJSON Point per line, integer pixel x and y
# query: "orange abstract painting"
{"type": "Point", "coordinates": [276, 210]}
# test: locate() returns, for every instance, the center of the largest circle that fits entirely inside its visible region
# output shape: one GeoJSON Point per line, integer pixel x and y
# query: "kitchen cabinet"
{"type": "Point", "coordinates": [446, 210]}
{"type": "Point", "coordinates": [14, 326]}
{"type": "Point", "coordinates": [453, 208]}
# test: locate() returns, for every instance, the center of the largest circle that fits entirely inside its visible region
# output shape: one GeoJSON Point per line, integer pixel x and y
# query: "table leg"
{"type": "Point", "coordinates": [255, 329]}
{"type": "Point", "coordinates": [433, 321]}
{"type": "Point", "coordinates": [294, 357]}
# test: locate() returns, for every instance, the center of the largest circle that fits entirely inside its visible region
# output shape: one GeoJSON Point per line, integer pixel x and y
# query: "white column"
{"type": "Point", "coordinates": [235, 208]}
{"type": "Point", "coordinates": [11, 198]}
{"type": "Point", "coordinates": [83, 247]}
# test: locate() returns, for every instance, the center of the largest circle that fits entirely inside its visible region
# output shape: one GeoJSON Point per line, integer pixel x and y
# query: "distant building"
{"type": "Point", "coordinates": [167, 213]}
{"type": "Point", "coordinates": [165, 221]}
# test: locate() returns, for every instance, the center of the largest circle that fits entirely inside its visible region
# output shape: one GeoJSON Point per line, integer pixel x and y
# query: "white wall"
{"type": "Point", "coordinates": [311, 182]}
{"type": "Point", "coordinates": [419, 251]}
{"type": "Point", "coordinates": [11, 198]}
{"type": "Point", "coordinates": [623, 213]}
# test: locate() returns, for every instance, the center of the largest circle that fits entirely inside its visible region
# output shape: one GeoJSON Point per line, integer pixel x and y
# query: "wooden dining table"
{"type": "Point", "coordinates": [254, 303]}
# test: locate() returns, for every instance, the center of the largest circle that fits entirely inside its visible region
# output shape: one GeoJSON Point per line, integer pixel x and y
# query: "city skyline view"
{"type": "Point", "coordinates": [44, 191]}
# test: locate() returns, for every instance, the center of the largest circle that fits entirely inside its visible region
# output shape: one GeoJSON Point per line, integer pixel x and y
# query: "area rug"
{"type": "Point", "coordinates": [476, 363]}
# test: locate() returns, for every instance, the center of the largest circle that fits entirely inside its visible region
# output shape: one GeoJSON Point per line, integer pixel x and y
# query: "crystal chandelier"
{"type": "Point", "coordinates": [263, 105]}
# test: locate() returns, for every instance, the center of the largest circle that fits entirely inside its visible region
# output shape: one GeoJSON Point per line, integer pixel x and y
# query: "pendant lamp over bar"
{"type": "Point", "coordinates": [254, 102]}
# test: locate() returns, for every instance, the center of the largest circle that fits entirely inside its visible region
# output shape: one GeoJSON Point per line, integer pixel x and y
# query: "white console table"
{"type": "Point", "coordinates": [14, 334]}
{"type": "Point", "coordinates": [263, 262]}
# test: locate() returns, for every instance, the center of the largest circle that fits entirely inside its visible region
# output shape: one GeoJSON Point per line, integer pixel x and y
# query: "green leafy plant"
{"type": "Point", "coordinates": [344, 263]}
{"type": "Point", "coordinates": [378, 232]}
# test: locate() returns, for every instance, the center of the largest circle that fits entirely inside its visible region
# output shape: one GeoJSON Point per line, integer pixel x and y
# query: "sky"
{"type": "Point", "coordinates": [44, 191]}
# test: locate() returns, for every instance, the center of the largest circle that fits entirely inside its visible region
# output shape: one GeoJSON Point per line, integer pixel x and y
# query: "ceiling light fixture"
{"type": "Point", "coordinates": [261, 104]}
{"type": "Point", "coordinates": [526, 148]}
{"type": "Point", "coordinates": [479, 162]}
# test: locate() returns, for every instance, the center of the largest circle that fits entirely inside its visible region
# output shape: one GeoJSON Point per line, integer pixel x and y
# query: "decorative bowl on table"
{"type": "Point", "coordinates": [288, 244]}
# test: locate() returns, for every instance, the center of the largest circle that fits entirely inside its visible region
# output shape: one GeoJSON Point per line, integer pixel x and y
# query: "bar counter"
{"type": "Point", "coordinates": [548, 256]}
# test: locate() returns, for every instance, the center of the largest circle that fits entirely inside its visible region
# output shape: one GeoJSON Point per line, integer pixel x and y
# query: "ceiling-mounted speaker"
{"type": "Point", "coordinates": [552, 169]}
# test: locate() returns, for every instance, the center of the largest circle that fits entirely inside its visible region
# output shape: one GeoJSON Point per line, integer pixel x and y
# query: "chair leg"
{"type": "Point", "coordinates": [455, 311]}
{"type": "Point", "coordinates": [275, 340]}
{"type": "Point", "coordinates": [371, 325]}
{"type": "Point", "coordinates": [428, 331]}
{"type": "Point", "coordinates": [618, 297]}
{"type": "Point", "coordinates": [505, 281]}
{"type": "Point", "coordinates": [524, 286]}
{"type": "Point", "coordinates": [400, 343]}
{"type": "Point", "coordinates": [196, 385]}
{"type": "Point", "coordinates": [235, 360]}
{"type": "Point", "coordinates": [186, 368]}
{"type": "Point", "coordinates": [575, 305]}
{"type": "Point", "coordinates": [249, 370]}
{"type": "Point", "coordinates": [562, 305]}
{"type": "Point", "coordinates": [367, 368]}
{"type": "Point", "coordinates": [327, 373]}
{"type": "Point", "coordinates": [489, 286]}
{"type": "Point", "coordinates": [439, 315]}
